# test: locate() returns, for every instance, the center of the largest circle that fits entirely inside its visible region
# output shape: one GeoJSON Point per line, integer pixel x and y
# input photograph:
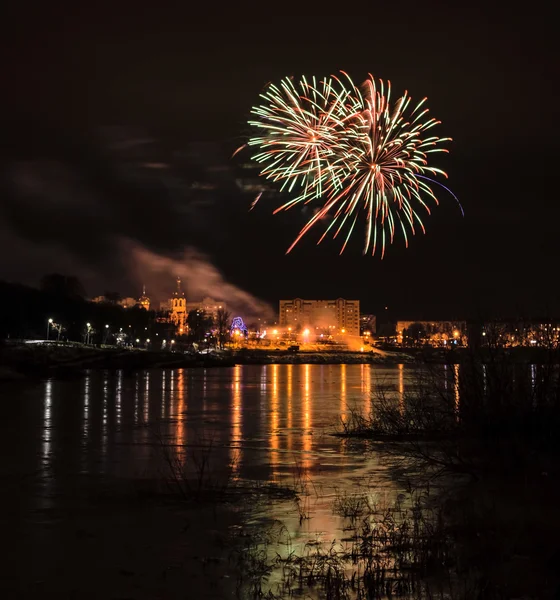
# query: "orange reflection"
{"type": "Point", "coordinates": [366, 389]}
{"type": "Point", "coordinates": [456, 388]}
{"type": "Point", "coordinates": [274, 422]}
{"type": "Point", "coordinates": [343, 406]}
{"type": "Point", "coordinates": [306, 462]}
{"type": "Point", "coordinates": [401, 388]}
{"type": "Point", "coordinates": [236, 419]}
{"type": "Point", "coordinates": [289, 393]}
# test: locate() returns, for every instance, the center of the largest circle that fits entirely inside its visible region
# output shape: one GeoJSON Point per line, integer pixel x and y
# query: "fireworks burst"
{"type": "Point", "coordinates": [352, 150]}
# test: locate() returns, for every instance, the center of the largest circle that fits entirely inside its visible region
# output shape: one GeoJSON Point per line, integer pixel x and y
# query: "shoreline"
{"type": "Point", "coordinates": [19, 361]}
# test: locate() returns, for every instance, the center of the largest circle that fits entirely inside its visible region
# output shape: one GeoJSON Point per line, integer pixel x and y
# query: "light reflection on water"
{"type": "Point", "coordinates": [262, 419]}
{"type": "Point", "coordinates": [277, 409]}
{"type": "Point", "coordinates": [47, 421]}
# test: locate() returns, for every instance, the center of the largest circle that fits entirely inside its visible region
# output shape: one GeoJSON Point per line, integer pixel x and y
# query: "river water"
{"type": "Point", "coordinates": [270, 423]}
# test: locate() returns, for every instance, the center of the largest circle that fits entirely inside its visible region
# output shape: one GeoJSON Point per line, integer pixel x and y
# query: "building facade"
{"type": "Point", "coordinates": [339, 316]}
{"type": "Point", "coordinates": [178, 307]}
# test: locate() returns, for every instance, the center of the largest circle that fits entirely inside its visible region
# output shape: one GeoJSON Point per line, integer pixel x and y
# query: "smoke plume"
{"type": "Point", "coordinates": [199, 277]}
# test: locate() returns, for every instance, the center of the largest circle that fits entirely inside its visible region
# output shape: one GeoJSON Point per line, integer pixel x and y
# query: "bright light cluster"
{"type": "Point", "coordinates": [349, 151]}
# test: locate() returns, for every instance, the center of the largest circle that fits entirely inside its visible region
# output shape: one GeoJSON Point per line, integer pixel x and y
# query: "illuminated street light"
{"type": "Point", "coordinates": [306, 332]}
{"type": "Point", "coordinates": [49, 323]}
{"type": "Point", "coordinates": [343, 331]}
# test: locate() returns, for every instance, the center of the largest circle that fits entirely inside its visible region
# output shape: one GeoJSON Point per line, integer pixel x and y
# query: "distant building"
{"type": "Point", "coordinates": [178, 304]}
{"type": "Point", "coordinates": [208, 305]}
{"type": "Point", "coordinates": [144, 301]}
{"type": "Point", "coordinates": [435, 333]}
{"type": "Point", "coordinates": [337, 316]}
{"type": "Point", "coordinates": [518, 332]}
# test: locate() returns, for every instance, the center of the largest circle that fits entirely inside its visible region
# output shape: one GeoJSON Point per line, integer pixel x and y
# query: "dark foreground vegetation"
{"type": "Point", "coordinates": [488, 439]}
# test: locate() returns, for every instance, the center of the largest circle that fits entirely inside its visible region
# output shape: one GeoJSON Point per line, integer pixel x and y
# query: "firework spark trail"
{"type": "Point", "coordinates": [352, 149]}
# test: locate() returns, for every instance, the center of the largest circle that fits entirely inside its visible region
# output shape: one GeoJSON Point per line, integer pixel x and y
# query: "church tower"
{"type": "Point", "coordinates": [144, 301]}
{"type": "Point", "coordinates": [179, 309]}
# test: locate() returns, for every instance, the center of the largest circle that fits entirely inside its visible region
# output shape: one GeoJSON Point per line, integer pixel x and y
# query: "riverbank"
{"type": "Point", "coordinates": [21, 360]}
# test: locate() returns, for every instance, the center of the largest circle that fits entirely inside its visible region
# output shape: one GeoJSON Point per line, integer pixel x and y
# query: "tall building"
{"type": "Point", "coordinates": [208, 305]}
{"type": "Point", "coordinates": [178, 314]}
{"type": "Point", "coordinates": [339, 316]}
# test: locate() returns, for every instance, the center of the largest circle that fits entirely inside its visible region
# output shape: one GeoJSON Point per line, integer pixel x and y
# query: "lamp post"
{"type": "Point", "coordinates": [49, 323]}
{"type": "Point", "coordinates": [88, 325]}
{"type": "Point", "coordinates": [106, 336]}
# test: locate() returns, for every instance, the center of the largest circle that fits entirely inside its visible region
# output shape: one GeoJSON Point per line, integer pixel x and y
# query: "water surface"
{"type": "Point", "coordinates": [64, 440]}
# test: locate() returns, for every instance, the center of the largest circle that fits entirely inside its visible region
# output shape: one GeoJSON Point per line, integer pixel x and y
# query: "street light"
{"type": "Point", "coordinates": [49, 323]}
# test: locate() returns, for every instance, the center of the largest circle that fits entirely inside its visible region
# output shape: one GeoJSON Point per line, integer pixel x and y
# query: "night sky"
{"type": "Point", "coordinates": [94, 103]}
